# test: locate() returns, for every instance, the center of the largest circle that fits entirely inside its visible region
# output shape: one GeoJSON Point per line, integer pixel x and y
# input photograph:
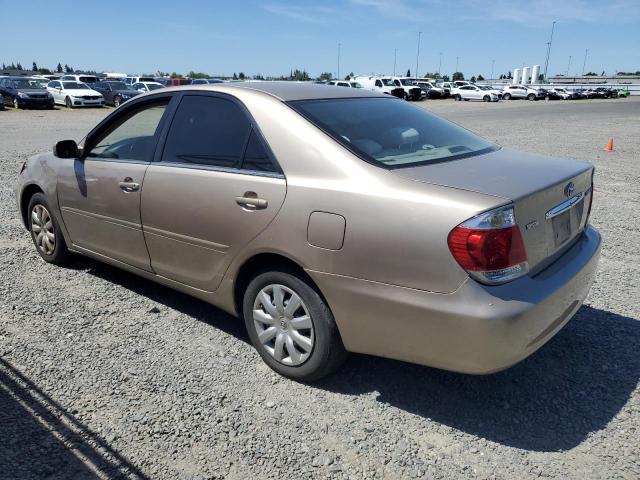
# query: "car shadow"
{"type": "Point", "coordinates": [573, 386]}
{"type": "Point", "coordinates": [40, 439]}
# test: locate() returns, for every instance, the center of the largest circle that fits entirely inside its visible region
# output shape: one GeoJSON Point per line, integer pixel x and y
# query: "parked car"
{"type": "Point", "coordinates": [80, 78]}
{"type": "Point", "coordinates": [521, 92]}
{"type": "Point", "coordinates": [144, 87]}
{"type": "Point", "coordinates": [24, 92]}
{"type": "Point", "coordinates": [563, 92]}
{"type": "Point", "coordinates": [429, 88]}
{"type": "Point", "coordinates": [132, 80]}
{"type": "Point", "coordinates": [74, 94]}
{"type": "Point", "coordinates": [622, 92]}
{"type": "Point", "coordinates": [339, 83]}
{"type": "Point", "coordinates": [549, 94]}
{"type": "Point", "coordinates": [355, 84]}
{"type": "Point", "coordinates": [488, 88]}
{"type": "Point", "coordinates": [382, 85]}
{"type": "Point", "coordinates": [447, 87]}
{"type": "Point", "coordinates": [115, 93]}
{"type": "Point", "coordinates": [473, 92]}
{"type": "Point", "coordinates": [1, 102]}
{"type": "Point", "coordinates": [411, 91]}
{"type": "Point", "coordinates": [604, 92]}
{"type": "Point", "coordinates": [454, 252]}
{"type": "Point", "coordinates": [205, 81]}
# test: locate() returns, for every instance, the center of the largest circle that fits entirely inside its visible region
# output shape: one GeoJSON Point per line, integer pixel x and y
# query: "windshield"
{"type": "Point", "coordinates": [356, 85]}
{"type": "Point", "coordinates": [27, 83]}
{"type": "Point", "coordinates": [391, 133]}
{"type": "Point", "coordinates": [406, 82]}
{"type": "Point", "coordinates": [88, 79]}
{"type": "Point", "coordinates": [154, 86]}
{"type": "Point", "coordinates": [387, 82]}
{"type": "Point", "coordinates": [74, 86]}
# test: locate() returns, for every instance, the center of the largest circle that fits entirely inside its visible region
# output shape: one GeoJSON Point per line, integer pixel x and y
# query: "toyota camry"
{"type": "Point", "coordinates": [331, 220]}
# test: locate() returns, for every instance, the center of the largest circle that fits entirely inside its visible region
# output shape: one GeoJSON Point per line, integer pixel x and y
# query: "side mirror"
{"type": "Point", "coordinates": [66, 149]}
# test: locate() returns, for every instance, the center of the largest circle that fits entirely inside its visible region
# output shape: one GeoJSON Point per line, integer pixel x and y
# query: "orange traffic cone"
{"type": "Point", "coordinates": [609, 147]}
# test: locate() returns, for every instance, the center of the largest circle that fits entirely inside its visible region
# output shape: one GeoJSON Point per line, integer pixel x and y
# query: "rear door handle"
{"type": "Point", "coordinates": [128, 185]}
{"type": "Point", "coordinates": [250, 201]}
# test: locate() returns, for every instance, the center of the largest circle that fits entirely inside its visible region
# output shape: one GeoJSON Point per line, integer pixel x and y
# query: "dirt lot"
{"type": "Point", "coordinates": [106, 375]}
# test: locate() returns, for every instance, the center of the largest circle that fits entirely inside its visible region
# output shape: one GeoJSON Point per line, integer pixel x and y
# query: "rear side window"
{"type": "Point", "coordinates": [256, 157]}
{"type": "Point", "coordinates": [207, 131]}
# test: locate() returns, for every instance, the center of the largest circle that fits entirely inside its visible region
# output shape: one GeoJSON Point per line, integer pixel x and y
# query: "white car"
{"type": "Point", "coordinates": [339, 83]}
{"type": "Point", "coordinates": [411, 91]}
{"type": "Point", "coordinates": [377, 84]}
{"type": "Point", "coordinates": [489, 88]}
{"type": "Point", "coordinates": [145, 87]}
{"type": "Point", "coordinates": [74, 94]}
{"type": "Point", "coordinates": [473, 92]}
{"type": "Point", "coordinates": [520, 91]}
{"type": "Point", "coordinates": [563, 92]}
{"type": "Point", "coordinates": [430, 85]}
{"type": "Point", "coordinates": [132, 80]}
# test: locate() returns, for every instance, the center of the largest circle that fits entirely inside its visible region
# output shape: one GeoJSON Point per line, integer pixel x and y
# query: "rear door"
{"type": "Point", "coordinates": [214, 190]}
{"type": "Point", "coordinates": [99, 194]}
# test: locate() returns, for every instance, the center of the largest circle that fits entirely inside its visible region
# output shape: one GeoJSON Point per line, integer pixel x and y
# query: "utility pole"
{"type": "Point", "coordinates": [457, 59]}
{"type": "Point", "coordinates": [584, 64]}
{"type": "Point", "coordinates": [569, 65]}
{"type": "Point", "coordinates": [493, 63]}
{"type": "Point", "coordinates": [415, 74]}
{"type": "Point", "coordinates": [395, 60]}
{"type": "Point", "coordinates": [440, 65]}
{"type": "Point", "coordinates": [546, 63]}
{"type": "Point", "coordinates": [338, 76]}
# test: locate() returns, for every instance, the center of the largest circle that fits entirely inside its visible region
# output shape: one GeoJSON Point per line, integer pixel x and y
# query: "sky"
{"type": "Point", "coordinates": [271, 37]}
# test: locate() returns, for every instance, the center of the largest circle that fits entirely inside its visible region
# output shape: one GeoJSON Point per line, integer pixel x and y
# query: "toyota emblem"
{"type": "Point", "coordinates": [568, 190]}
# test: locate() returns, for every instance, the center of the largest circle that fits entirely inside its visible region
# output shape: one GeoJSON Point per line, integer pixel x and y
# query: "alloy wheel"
{"type": "Point", "coordinates": [42, 229]}
{"type": "Point", "coordinates": [283, 324]}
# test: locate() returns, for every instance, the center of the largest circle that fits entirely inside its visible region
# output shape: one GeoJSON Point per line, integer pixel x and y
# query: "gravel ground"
{"type": "Point", "coordinates": [106, 375]}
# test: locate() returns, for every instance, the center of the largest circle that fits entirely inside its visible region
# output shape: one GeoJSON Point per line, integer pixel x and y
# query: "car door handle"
{"type": "Point", "coordinates": [128, 185]}
{"type": "Point", "coordinates": [251, 201]}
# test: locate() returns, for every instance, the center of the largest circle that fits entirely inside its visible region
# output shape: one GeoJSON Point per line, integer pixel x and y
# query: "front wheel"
{"type": "Point", "coordinates": [486, 98]}
{"type": "Point", "coordinates": [68, 103]}
{"type": "Point", "coordinates": [16, 104]}
{"type": "Point", "coordinates": [457, 97]}
{"type": "Point", "coordinates": [531, 97]}
{"type": "Point", "coordinates": [506, 96]}
{"type": "Point", "coordinates": [292, 327]}
{"type": "Point", "coordinates": [45, 231]}
{"type": "Point", "coordinates": [117, 101]}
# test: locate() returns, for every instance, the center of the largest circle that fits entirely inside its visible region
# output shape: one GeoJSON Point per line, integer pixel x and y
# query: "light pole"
{"type": "Point", "coordinates": [493, 63]}
{"type": "Point", "coordinates": [440, 65]}
{"type": "Point", "coordinates": [338, 76]}
{"type": "Point", "coordinates": [418, 56]}
{"type": "Point", "coordinates": [457, 60]}
{"type": "Point", "coordinates": [546, 62]}
{"type": "Point", "coordinates": [395, 60]}
{"type": "Point", "coordinates": [584, 64]}
{"type": "Point", "coordinates": [569, 65]}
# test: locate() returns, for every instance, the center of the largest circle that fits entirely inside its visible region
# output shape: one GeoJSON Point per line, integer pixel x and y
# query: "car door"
{"type": "Point", "coordinates": [215, 188]}
{"type": "Point", "coordinates": [99, 193]}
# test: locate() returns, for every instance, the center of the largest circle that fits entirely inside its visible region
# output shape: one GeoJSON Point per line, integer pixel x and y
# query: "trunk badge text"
{"type": "Point", "coordinates": [531, 225]}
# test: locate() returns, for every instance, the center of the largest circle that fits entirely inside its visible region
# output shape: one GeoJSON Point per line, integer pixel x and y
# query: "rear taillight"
{"type": "Point", "coordinates": [490, 247]}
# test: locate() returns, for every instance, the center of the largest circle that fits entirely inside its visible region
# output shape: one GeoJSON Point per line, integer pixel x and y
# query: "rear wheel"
{"type": "Point", "coordinates": [457, 97]}
{"type": "Point", "coordinates": [506, 96]}
{"type": "Point", "coordinates": [486, 98]}
{"type": "Point", "coordinates": [68, 102]}
{"type": "Point", "coordinates": [292, 327]}
{"type": "Point", "coordinates": [117, 101]}
{"type": "Point", "coordinates": [531, 97]}
{"type": "Point", "coordinates": [45, 231]}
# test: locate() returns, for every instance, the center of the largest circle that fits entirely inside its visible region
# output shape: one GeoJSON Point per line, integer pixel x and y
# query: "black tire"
{"type": "Point", "coordinates": [60, 254]}
{"type": "Point", "coordinates": [117, 101]}
{"type": "Point", "coordinates": [457, 97]}
{"type": "Point", "coordinates": [68, 102]}
{"type": "Point", "coordinates": [531, 97]}
{"type": "Point", "coordinates": [486, 98]}
{"type": "Point", "coordinates": [16, 104]}
{"type": "Point", "coordinates": [328, 352]}
{"type": "Point", "coordinates": [506, 96]}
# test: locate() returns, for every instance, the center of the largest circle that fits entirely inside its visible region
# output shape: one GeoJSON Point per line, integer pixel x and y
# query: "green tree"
{"type": "Point", "coordinates": [175, 75]}
{"type": "Point", "coordinates": [457, 76]}
{"type": "Point", "coordinates": [408, 73]}
{"type": "Point", "coordinates": [59, 68]}
{"type": "Point", "coordinates": [68, 69]}
{"type": "Point", "coordinates": [432, 75]}
{"type": "Point", "coordinates": [34, 67]}
{"type": "Point", "coordinates": [241, 76]}
{"type": "Point", "coordinates": [18, 66]}
{"type": "Point", "coordinates": [325, 76]}
{"type": "Point", "coordinates": [445, 78]}
{"type": "Point", "coordinates": [473, 79]}
{"type": "Point", "coordinates": [350, 76]}
{"type": "Point", "coordinates": [480, 78]}
{"type": "Point", "coordinates": [193, 74]}
{"type": "Point", "coordinates": [44, 71]}
{"type": "Point", "coordinates": [541, 77]}
{"type": "Point", "coordinates": [591, 74]}
{"type": "Point", "coordinates": [258, 76]}
{"type": "Point", "coordinates": [235, 76]}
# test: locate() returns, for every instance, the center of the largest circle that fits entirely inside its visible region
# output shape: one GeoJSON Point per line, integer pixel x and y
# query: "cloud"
{"type": "Point", "coordinates": [302, 13]}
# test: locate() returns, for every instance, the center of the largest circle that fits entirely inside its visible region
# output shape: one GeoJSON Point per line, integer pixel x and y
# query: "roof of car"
{"type": "Point", "coordinates": [289, 91]}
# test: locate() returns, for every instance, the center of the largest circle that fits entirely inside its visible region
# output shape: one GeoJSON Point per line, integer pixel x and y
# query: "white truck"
{"type": "Point", "coordinates": [378, 84]}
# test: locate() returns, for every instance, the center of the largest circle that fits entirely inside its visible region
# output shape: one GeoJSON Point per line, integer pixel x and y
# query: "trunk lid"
{"type": "Point", "coordinates": [551, 196]}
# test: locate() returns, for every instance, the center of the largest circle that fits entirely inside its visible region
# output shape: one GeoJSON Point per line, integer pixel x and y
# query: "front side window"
{"type": "Point", "coordinates": [390, 133]}
{"type": "Point", "coordinates": [132, 137]}
{"type": "Point", "coordinates": [207, 131]}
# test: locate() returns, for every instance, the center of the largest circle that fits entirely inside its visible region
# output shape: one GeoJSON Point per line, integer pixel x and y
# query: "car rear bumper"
{"type": "Point", "coordinates": [477, 329]}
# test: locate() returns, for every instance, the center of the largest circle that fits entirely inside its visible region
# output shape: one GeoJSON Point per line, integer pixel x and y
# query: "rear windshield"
{"type": "Point", "coordinates": [390, 132]}
{"type": "Point", "coordinates": [88, 79]}
{"type": "Point", "coordinates": [154, 86]}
